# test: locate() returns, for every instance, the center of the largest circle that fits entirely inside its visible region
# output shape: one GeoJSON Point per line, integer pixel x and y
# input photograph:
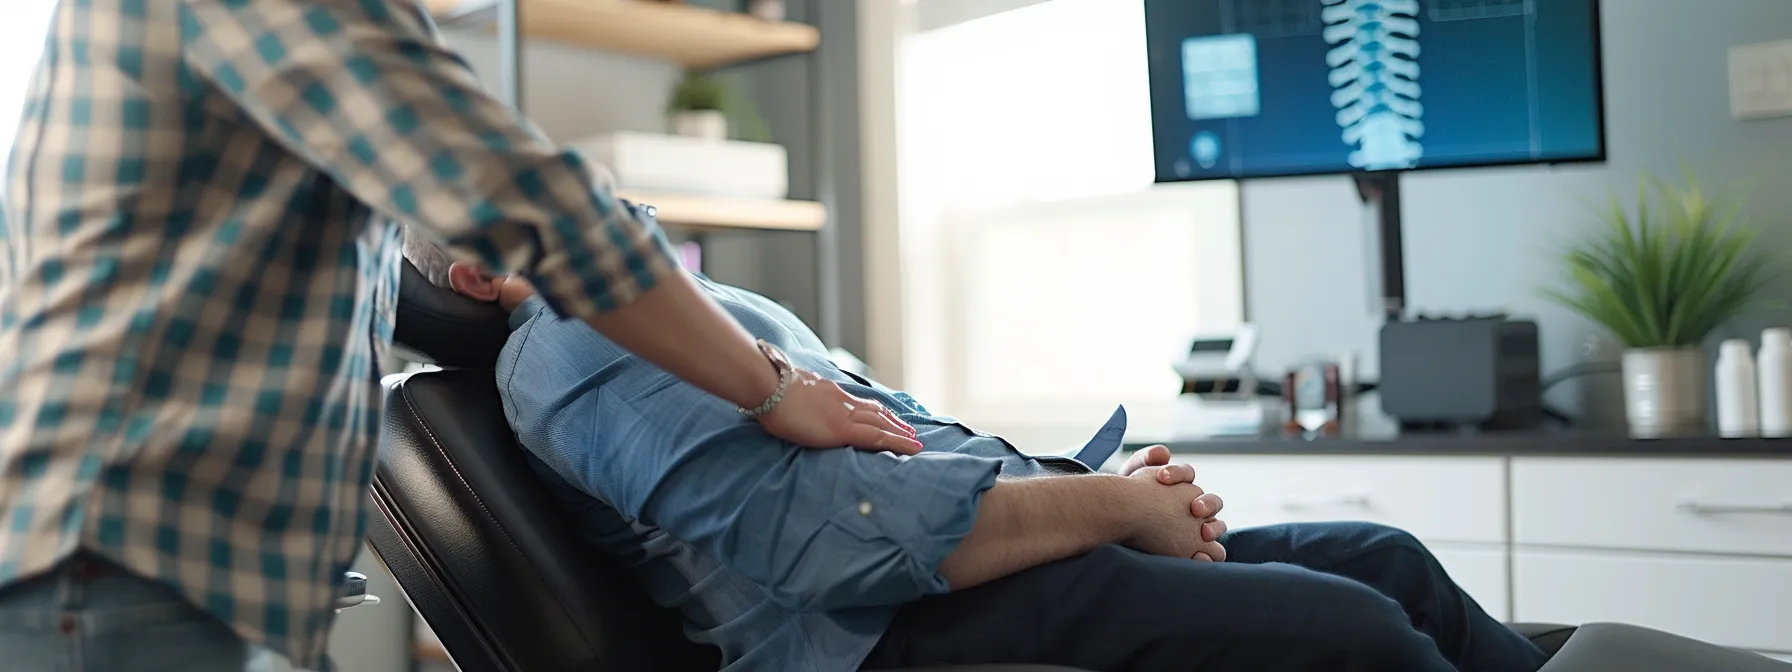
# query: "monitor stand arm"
{"type": "Point", "coordinates": [1381, 190]}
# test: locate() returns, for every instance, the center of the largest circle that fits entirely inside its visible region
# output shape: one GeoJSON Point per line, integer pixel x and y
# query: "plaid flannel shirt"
{"type": "Point", "coordinates": [198, 277]}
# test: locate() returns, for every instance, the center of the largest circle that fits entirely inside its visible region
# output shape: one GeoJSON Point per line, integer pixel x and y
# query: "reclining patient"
{"type": "Point", "coordinates": [970, 552]}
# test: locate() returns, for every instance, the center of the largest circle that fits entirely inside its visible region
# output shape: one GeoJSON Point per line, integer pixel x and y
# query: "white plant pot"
{"type": "Point", "coordinates": [708, 124]}
{"type": "Point", "coordinates": [1664, 391]}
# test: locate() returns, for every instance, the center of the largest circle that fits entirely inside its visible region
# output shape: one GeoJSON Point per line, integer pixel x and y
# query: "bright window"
{"type": "Point", "coordinates": [1046, 279]}
{"type": "Point", "coordinates": [21, 40]}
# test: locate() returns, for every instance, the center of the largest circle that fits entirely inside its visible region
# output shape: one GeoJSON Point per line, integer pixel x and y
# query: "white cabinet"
{"type": "Point", "coordinates": [1435, 498]}
{"type": "Point", "coordinates": [1742, 602]}
{"type": "Point", "coordinates": [1456, 505]}
{"type": "Point", "coordinates": [1697, 546]}
{"type": "Point", "coordinates": [1679, 505]}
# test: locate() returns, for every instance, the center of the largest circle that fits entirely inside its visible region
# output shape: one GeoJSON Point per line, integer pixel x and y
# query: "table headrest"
{"type": "Point", "coordinates": [437, 326]}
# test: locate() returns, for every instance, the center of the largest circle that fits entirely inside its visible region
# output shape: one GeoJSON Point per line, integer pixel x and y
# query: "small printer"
{"type": "Point", "coordinates": [1219, 389]}
{"type": "Point", "coordinates": [1219, 363]}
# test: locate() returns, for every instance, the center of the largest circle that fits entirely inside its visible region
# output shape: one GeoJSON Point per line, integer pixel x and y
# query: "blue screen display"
{"type": "Point", "coordinates": [1258, 88]}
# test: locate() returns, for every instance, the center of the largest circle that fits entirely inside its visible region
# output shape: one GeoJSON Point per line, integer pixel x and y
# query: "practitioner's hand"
{"type": "Point", "coordinates": [1204, 507]}
{"type": "Point", "coordinates": [816, 413]}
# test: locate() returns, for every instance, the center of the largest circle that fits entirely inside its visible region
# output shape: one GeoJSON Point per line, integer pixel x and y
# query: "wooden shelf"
{"type": "Point", "coordinates": [716, 212]}
{"type": "Point", "coordinates": [695, 37]}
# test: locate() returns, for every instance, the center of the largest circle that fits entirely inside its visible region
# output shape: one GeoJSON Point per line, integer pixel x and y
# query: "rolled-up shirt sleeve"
{"type": "Point", "coordinates": [825, 529]}
{"type": "Point", "coordinates": [365, 92]}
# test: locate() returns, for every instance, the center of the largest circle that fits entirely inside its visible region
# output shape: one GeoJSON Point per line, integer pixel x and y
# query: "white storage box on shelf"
{"type": "Point", "coordinates": [658, 163]}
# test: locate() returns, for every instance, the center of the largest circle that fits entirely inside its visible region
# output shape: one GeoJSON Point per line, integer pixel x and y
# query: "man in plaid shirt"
{"type": "Point", "coordinates": [196, 289]}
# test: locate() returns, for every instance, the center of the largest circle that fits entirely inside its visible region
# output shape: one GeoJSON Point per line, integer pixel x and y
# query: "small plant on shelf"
{"type": "Point", "coordinates": [699, 92]}
{"type": "Point", "coordinates": [703, 105]}
{"type": "Point", "coordinates": [699, 106]}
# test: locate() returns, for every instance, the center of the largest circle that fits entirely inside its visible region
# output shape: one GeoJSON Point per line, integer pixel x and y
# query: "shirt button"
{"type": "Point", "coordinates": [865, 508]}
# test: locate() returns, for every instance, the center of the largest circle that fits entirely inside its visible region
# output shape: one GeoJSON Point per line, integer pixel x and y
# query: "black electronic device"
{"type": "Point", "coordinates": [1471, 372]}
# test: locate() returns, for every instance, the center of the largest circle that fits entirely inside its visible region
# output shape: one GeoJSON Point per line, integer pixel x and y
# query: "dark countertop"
{"type": "Point", "coordinates": [1492, 444]}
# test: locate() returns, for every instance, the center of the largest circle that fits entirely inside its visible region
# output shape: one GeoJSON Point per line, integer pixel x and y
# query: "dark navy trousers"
{"type": "Point", "coordinates": [1315, 596]}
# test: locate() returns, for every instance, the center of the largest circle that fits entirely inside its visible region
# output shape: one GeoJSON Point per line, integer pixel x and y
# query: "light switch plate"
{"type": "Point", "coordinates": [1761, 80]}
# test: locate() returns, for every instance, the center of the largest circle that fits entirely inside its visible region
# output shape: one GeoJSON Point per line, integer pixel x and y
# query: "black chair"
{"type": "Point", "coordinates": [489, 561]}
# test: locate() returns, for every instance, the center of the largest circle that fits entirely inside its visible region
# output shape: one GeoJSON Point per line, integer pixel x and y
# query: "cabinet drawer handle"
{"type": "Point", "coordinates": [1698, 509]}
{"type": "Point", "coordinates": [1346, 501]}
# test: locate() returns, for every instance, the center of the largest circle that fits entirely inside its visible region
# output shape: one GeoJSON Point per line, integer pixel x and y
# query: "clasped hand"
{"type": "Point", "coordinates": [1180, 520]}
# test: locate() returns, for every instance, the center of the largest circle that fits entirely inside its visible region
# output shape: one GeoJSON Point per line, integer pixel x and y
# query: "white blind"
{"type": "Point", "coordinates": [1045, 102]}
{"type": "Point", "coordinates": [1046, 279]}
{"type": "Point", "coordinates": [1075, 306]}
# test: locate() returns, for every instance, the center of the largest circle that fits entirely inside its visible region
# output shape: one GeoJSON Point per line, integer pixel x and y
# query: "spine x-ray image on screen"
{"type": "Point", "coordinates": [1266, 88]}
{"type": "Point", "coordinates": [1375, 71]}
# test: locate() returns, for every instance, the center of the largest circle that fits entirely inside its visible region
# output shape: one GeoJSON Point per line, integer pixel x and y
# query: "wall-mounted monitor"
{"type": "Point", "coordinates": [1263, 88]}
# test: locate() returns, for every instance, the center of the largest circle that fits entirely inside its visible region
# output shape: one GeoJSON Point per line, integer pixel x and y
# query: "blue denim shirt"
{"type": "Point", "coordinates": [786, 559]}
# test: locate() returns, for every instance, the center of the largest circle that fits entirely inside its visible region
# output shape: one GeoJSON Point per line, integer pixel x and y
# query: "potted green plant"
{"type": "Point", "coordinates": [1662, 276]}
{"type": "Point", "coordinates": [699, 106]}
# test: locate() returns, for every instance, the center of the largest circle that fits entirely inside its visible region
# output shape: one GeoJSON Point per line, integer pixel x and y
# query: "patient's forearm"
{"type": "Point", "coordinates": [1029, 522]}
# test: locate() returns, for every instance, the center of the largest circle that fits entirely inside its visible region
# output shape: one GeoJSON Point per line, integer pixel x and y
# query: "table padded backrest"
{"type": "Point", "coordinates": [499, 547]}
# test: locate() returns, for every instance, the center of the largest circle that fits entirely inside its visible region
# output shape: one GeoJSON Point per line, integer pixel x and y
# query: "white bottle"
{"type": "Point", "coordinates": [1737, 413]}
{"type": "Point", "coordinates": [1774, 370]}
